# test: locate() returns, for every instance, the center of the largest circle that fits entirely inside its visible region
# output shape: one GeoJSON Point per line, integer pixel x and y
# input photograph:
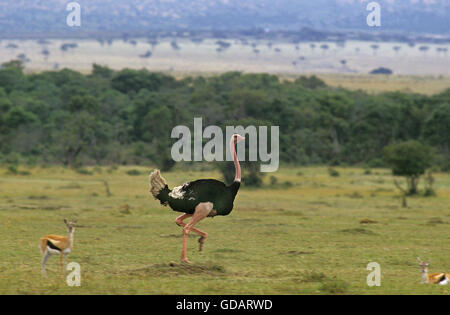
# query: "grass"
{"type": "Point", "coordinates": [313, 237]}
{"type": "Point", "coordinates": [428, 85]}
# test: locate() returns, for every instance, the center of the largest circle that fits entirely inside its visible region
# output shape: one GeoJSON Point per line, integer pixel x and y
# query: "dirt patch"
{"type": "Point", "coordinates": [227, 250]}
{"type": "Point", "coordinates": [320, 203]}
{"type": "Point", "coordinates": [27, 207]}
{"type": "Point", "coordinates": [357, 231]}
{"type": "Point", "coordinates": [176, 269]}
{"type": "Point", "coordinates": [249, 220]}
{"type": "Point", "coordinates": [124, 227]}
{"type": "Point", "coordinates": [292, 213]}
{"type": "Point", "coordinates": [50, 208]}
{"type": "Point", "coordinates": [295, 253]}
{"type": "Point", "coordinates": [43, 197]}
{"type": "Point", "coordinates": [434, 221]}
{"type": "Point", "coordinates": [70, 186]}
{"type": "Point", "coordinates": [368, 221]}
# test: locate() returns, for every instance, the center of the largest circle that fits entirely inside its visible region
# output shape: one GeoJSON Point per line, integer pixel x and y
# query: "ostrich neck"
{"type": "Point", "coordinates": [237, 166]}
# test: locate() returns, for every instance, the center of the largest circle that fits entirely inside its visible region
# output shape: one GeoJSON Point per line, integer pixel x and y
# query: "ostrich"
{"type": "Point", "coordinates": [198, 199]}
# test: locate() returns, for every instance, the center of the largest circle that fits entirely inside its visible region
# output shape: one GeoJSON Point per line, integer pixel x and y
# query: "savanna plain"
{"type": "Point", "coordinates": [306, 232]}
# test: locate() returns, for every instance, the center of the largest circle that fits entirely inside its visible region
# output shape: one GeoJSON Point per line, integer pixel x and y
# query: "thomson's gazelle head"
{"type": "Point", "coordinates": [423, 265]}
{"type": "Point", "coordinates": [70, 225]}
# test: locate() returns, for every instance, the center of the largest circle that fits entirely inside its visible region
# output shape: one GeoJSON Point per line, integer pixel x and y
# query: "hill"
{"type": "Point", "coordinates": [34, 18]}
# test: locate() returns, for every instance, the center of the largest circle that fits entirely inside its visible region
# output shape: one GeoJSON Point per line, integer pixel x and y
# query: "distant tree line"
{"type": "Point", "coordinates": [126, 117]}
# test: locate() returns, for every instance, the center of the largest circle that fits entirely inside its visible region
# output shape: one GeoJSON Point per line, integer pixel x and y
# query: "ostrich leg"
{"type": "Point", "coordinates": [201, 211]}
{"type": "Point", "coordinates": [203, 235]}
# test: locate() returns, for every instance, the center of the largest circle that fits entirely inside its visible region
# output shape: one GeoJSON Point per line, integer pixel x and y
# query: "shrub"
{"type": "Point", "coordinates": [83, 171]}
{"type": "Point", "coordinates": [273, 180]}
{"type": "Point", "coordinates": [333, 172]}
{"type": "Point", "coordinates": [288, 184]}
{"type": "Point", "coordinates": [134, 172]}
{"type": "Point", "coordinates": [376, 163]}
{"type": "Point", "coordinates": [112, 169]}
{"type": "Point", "coordinates": [12, 170]}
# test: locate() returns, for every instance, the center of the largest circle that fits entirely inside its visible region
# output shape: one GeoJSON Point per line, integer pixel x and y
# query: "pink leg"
{"type": "Point", "coordinates": [203, 235]}
{"type": "Point", "coordinates": [201, 211]}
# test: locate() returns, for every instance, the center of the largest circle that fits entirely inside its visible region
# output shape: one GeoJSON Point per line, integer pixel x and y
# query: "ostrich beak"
{"type": "Point", "coordinates": [239, 138]}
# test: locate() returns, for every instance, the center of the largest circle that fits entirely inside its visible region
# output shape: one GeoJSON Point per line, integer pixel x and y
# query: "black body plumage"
{"type": "Point", "coordinates": [203, 190]}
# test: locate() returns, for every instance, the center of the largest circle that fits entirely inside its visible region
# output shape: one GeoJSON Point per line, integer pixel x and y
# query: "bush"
{"type": "Point", "coordinates": [83, 171]}
{"type": "Point", "coordinates": [429, 192]}
{"type": "Point", "coordinates": [12, 170]}
{"type": "Point", "coordinates": [251, 175]}
{"type": "Point", "coordinates": [112, 169]}
{"type": "Point", "coordinates": [288, 184]}
{"type": "Point", "coordinates": [253, 179]}
{"type": "Point", "coordinates": [333, 172]}
{"type": "Point", "coordinates": [134, 172]}
{"type": "Point", "coordinates": [273, 180]}
{"type": "Point", "coordinates": [376, 163]}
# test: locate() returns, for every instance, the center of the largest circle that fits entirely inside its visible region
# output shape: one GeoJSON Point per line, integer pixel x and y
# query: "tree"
{"type": "Point", "coordinates": [78, 132]}
{"type": "Point", "coordinates": [11, 76]}
{"type": "Point", "coordinates": [99, 71]}
{"type": "Point", "coordinates": [436, 130]}
{"type": "Point", "coordinates": [375, 47]}
{"type": "Point", "coordinates": [311, 82]}
{"type": "Point", "coordinates": [251, 174]}
{"type": "Point", "coordinates": [129, 80]}
{"type": "Point", "coordinates": [17, 116]}
{"type": "Point", "coordinates": [409, 159]}
{"type": "Point", "coordinates": [381, 70]}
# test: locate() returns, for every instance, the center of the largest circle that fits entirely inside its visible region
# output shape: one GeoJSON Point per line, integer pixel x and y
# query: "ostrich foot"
{"type": "Point", "coordinates": [185, 261]}
{"type": "Point", "coordinates": [201, 241]}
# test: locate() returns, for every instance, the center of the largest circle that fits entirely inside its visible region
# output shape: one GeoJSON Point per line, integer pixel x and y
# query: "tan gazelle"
{"type": "Point", "coordinates": [441, 278]}
{"type": "Point", "coordinates": [57, 245]}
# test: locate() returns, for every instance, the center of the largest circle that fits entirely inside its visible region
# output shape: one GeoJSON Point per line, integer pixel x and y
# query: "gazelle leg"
{"type": "Point", "coordinates": [61, 258]}
{"type": "Point", "coordinates": [44, 261]}
{"type": "Point", "coordinates": [203, 235]}
{"type": "Point", "coordinates": [201, 211]}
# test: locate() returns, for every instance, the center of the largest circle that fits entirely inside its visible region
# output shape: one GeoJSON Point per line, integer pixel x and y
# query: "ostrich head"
{"type": "Point", "coordinates": [237, 138]}
{"type": "Point", "coordinates": [163, 196]}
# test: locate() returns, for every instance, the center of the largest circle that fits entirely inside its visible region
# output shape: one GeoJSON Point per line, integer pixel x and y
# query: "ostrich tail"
{"type": "Point", "coordinates": [157, 182]}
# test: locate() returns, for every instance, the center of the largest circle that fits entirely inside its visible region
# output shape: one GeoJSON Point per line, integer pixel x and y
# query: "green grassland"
{"type": "Point", "coordinates": [308, 234]}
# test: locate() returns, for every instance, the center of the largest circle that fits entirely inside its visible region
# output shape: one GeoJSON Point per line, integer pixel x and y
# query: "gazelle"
{"type": "Point", "coordinates": [57, 245]}
{"type": "Point", "coordinates": [435, 278]}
